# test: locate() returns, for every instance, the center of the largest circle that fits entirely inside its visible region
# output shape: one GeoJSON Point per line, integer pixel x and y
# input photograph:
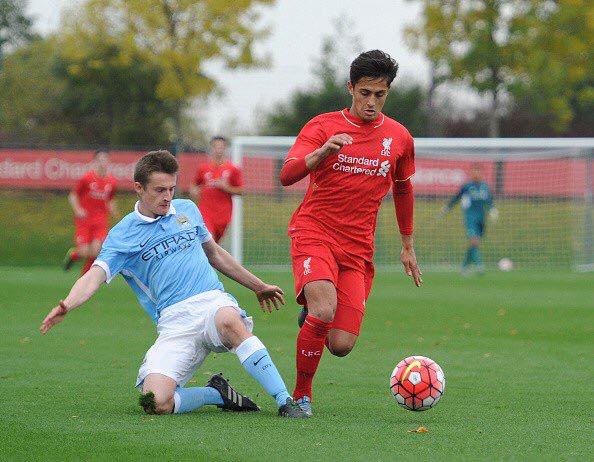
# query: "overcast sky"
{"type": "Point", "coordinates": [298, 27]}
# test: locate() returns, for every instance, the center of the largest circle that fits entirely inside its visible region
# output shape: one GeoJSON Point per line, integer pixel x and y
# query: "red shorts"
{"type": "Point", "coordinates": [315, 260]}
{"type": "Point", "coordinates": [89, 231]}
{"type": "Point", "coordinates": [216, 229]}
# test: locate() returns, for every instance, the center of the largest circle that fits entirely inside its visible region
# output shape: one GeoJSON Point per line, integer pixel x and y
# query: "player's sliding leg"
{"type": "Point", "coordinates": [321, 303]}
{"type": "Point", "coordinates": [157, 394]}
{"type": "Point", "coordinates": [161, 395]}
{"type": "Point", "coordinates": [256, 360]}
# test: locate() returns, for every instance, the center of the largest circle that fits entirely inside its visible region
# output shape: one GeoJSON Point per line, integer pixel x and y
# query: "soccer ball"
{"type": "Point", "coordinates": [417, 383]}
{"type": "Point", "coordinates": [505, 264]}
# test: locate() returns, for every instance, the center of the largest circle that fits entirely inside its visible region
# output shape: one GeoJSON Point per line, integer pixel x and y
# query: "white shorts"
{"type": "Point", "coordinates": [187, 333]}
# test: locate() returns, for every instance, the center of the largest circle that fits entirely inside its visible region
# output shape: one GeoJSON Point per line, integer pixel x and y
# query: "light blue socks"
{"type": "Point", "coordinates": [254, 357]}
{"type": "Point", "coordinates": [188, 399]}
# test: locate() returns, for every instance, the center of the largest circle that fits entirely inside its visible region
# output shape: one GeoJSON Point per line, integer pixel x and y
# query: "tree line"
{"type": "Point", "coordinates": [127, 72]}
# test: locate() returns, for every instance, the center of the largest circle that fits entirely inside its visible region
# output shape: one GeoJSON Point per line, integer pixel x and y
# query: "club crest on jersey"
{"type": "Point", "coordinates": [307, 266]}
{"type": "Point", "coordinates": [183, 221]}
{"type": "Point", "coordinates": [387, 144]}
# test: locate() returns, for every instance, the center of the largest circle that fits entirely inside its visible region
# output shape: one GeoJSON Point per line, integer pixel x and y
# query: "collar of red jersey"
{"type": "Point", "coordinates": [149, 219]}
{"type": "Point", "coordinates": [350, 118]}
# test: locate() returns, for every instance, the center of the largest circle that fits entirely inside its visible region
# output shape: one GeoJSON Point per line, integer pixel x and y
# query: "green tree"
{"type": "Point", "coordinates": [531, 53]}
{"type": "Point", "coordinates": [555, 61]}
{"type": "Point", "coordinates": [111, 96]}
{"type": "Point", "coordinates": [180, 37]}
{"type": "Point", "coordinates": [15, 25]}
{"type": "Point", "coordinates": [475, 43]}
{"type": "Point", "coordinates": [102, 97]}
{"type": "Point", "coordinates": [31, 96]}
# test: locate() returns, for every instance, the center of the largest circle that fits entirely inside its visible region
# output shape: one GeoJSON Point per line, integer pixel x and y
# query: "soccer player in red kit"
{"type": "Point", "coordinates": [353, 158]}
{"type": "Point", "coordinates": [215, 184]}
{"type": "Point", "coordinates": [92, 202]}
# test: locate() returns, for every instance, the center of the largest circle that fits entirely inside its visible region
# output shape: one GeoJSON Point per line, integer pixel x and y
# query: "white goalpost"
{"type": "Point", "coordinates": [542, 187]}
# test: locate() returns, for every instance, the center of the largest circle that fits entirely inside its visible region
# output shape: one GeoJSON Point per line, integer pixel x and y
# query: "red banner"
{"type": "Point", "coordinates": [45, 169]}
{"type": "Point", "coordinates": [37, 169]}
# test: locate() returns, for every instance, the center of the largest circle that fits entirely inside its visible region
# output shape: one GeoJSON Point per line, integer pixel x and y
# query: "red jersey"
{"type": "Point", "coordinates": [94, 193]}
{"type": "Point", "coordinates": [216, 204]}
{"type": "Point", "coordinates": [346, 189]}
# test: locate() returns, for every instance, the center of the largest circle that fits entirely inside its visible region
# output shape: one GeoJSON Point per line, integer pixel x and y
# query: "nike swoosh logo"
{"type": "Point", "coordinates": [142, 244]}
{"type": "Point", "coordinates": [256, 362]}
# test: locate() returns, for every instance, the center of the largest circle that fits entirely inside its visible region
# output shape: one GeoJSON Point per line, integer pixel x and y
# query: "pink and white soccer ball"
{"type": "Point", "coordinates": [417, 383]}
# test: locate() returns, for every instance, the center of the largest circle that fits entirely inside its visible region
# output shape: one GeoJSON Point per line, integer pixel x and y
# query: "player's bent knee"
{"type": "Point", "coordinates": [230, 327]}
{"type": "Point", "coordinates": [228, 320]}
{"type": "Point", "coordinates": [340, 350]}
{"type": "Point", "coordinates": [156, 403]}
{"type": "Point", "coordinates": [164, 406]}
{"type": "Point", "coordinates": [341, 343]}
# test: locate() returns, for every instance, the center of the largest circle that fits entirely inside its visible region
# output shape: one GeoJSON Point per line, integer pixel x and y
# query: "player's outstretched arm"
{"type": "Point", "coordinates": [269, 296]}
{"type": "Point", "coordinates": [81, 291]}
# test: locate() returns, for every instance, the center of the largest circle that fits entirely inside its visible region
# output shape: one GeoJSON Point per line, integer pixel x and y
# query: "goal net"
{"type": "Point", "coordinates": [542, 189]}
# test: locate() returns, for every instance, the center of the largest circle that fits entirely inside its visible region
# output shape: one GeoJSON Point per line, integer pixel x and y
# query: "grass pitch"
{"type": "Point", "coordinates": [516, 349]}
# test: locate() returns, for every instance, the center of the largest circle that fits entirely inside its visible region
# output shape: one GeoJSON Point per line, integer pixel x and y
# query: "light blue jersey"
{"type": "Point", "coordinates": [161, 259]}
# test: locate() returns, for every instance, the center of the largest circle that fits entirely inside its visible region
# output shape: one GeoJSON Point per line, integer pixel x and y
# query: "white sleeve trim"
{"type": "Point", "coordinates": [101, 264]}
{"type": "Point", "coordinates": [207, 238]}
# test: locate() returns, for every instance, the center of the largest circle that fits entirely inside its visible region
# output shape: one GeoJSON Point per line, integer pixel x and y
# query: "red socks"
{"type": "Point", "coordinates": [310, 345]}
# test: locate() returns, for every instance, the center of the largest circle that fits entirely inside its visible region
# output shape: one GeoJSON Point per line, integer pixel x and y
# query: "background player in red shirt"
{"type": "Point", "coordinates": [353, 157]}
{"type": "Point", "coordinates": [215, 184]}
{"type": "Point", "coordinates": [92, 202]}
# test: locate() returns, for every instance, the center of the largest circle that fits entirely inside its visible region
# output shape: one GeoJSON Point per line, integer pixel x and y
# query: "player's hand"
{"type": "Point", "coordinates": [411, 268]}
{"type": "Point", "coordinates": [54, 317]}
{"type": "Point", "coordinates": [80, 213]}
{"type": "Point", "coordinates": [336, 142]}
{"type": "Point", "coordinates": [270, 297]}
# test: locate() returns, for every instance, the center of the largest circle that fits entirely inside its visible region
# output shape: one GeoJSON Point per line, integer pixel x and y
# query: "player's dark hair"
{"type": "Point", "coordinates": [100, 151]}
{"type": "Point", "coordinates": [219, 138]}
{"type": "Point", "coordinates": [155, 162]}
{"type": "Point", "coordinates": [374, 64]}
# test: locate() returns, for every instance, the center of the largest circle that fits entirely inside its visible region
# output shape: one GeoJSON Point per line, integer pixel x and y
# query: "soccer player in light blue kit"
{"type": "Point", "coordinates": [476, 201]}
{"type": "Point", "coordinates": [167, 256]}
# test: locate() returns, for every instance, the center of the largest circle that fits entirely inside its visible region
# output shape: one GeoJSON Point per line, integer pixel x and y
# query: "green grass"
{"type": "Point", "coordinates": [516, 349]}
{"type": "Point", "coordinates": [37, 230]}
